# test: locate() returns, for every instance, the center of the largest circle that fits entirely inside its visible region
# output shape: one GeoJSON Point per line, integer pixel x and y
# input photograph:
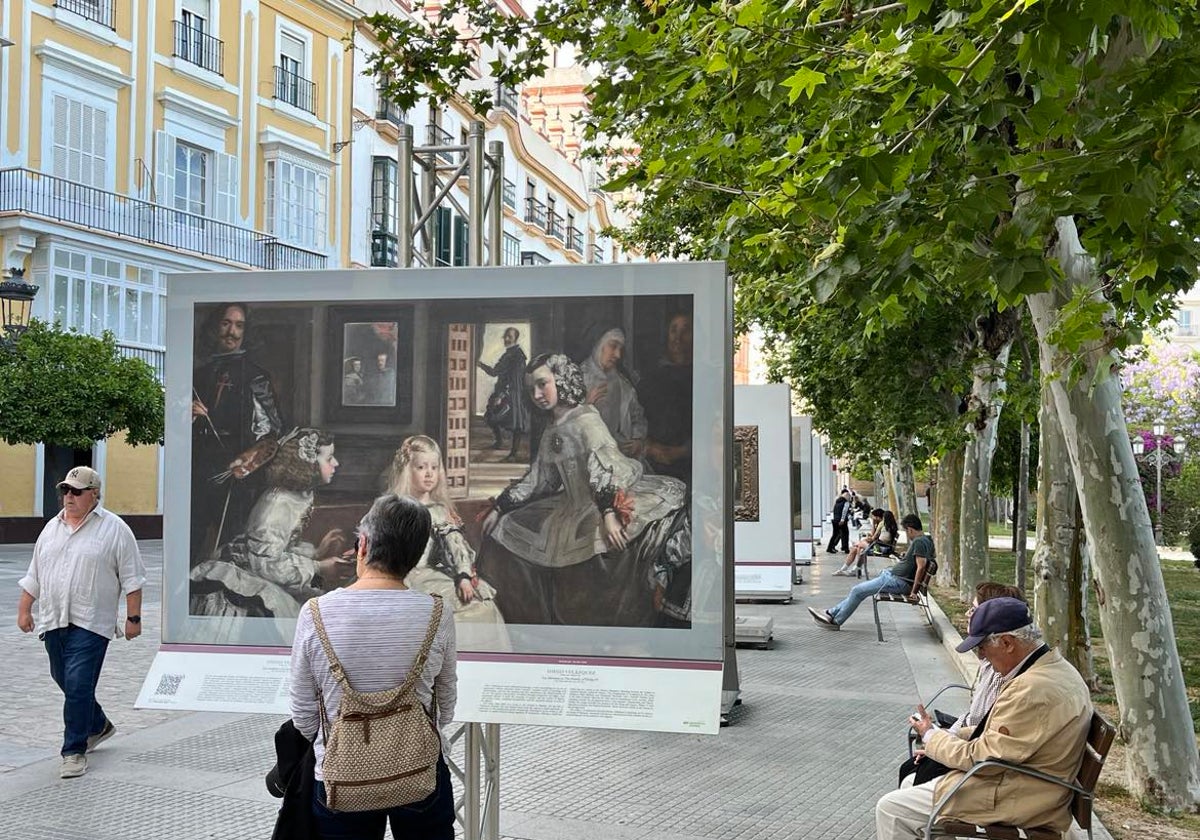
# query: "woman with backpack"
{"type": "Point", "coordinates": [372, 681]}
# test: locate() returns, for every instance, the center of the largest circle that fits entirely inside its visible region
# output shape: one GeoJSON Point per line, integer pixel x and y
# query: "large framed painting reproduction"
{"type": "Point", "coordinates": [560, 405]}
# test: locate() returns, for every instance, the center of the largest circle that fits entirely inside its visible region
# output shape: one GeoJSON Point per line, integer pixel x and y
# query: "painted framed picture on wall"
{"type": "Point", "coordinates": [370, 356]}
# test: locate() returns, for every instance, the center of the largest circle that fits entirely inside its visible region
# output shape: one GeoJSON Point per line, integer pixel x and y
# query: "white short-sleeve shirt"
{"type": "Point", "coordinates": [77, 577]}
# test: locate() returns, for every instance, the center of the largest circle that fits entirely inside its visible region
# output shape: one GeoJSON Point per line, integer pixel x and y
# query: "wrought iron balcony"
{"type": "Point", "coordinates": [554, 226]}
{"type": "Point", "coordinates": [597, 254]}
{"type": "Point", "coordinates": [195, 47]}
{"type": "Point", "coordinates": [151, 356]}
{"type": "Point", "coordinates": [389, 111]}
{"type": "Point", "coordinates": [438, 136]}
{"type": "Point", "coordinates": [534, 258]}
{"type": "Point", "coordinates": [535, 212]}
{"type": "Point", "coordinates": [575, 239]}
{"type": "Point", "coordinates": [102, 12]}
{"type": "Point", "coordinates": [507, 99]}
{"type": "Point", "coordinates": [28, 192]}
{"type": "Point", "coordinates": [509, 194]}
{"type": "Point", "coordinates": [295, 90]}
{"type": "Point", "coordinates": [385, 251]}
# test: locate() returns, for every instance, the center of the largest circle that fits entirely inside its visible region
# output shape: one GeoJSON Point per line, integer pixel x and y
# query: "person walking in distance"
{"type": "Point", "coordinates": [841, 523]}
{"type": "Point", "coordinates": [85, 559]}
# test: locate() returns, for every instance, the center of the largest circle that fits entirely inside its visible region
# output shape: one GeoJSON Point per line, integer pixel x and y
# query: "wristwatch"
{"type": "Point", "coordinates": [134, 619]}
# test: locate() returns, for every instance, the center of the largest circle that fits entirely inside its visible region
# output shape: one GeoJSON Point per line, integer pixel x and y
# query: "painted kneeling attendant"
{"type": "Point", "coordinates": [586, 537]}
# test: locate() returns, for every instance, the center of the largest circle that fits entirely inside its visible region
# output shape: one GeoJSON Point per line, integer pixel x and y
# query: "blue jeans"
{"type": "Point", "coordinates": [76, 657]}
{"type": "Point", "coordinates": [430, 819]}
{"type": "Point", "coordinates": [885, 582]}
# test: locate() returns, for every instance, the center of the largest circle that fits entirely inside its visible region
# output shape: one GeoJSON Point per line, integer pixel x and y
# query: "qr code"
{"type": "Point", "coordinates": [169, 685]}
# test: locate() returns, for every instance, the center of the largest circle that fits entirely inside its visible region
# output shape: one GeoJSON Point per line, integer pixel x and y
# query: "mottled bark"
{"type": "Point", "coordinates": [983, 419]}
{"type": "Point", "coordinates": [1163, 767]}
{"type": "Point", "coordinates": [1060, 560]}
{"type": "Point", "coordinates": [946, 506]}
{"type": "Point", "coordinates": [906, 481]}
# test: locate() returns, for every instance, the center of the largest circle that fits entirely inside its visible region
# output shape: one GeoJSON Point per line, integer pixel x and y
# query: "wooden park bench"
{"type": "Point", "coordinates": [921, 599]}
{"type": "Point", "coordinates": [1099, 739]}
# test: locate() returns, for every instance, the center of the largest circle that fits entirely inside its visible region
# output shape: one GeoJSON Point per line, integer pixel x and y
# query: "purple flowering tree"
{"type": "Point", "coordinates": [1163, 383]}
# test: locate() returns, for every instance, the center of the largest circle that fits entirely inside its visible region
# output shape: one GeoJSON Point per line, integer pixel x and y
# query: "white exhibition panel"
{"type": "Point", "coordinates": [653, 696]}
{"type": "Point", "coordinates": [645, 674]}
{"type": "Point", "coordinates": [763, 552]}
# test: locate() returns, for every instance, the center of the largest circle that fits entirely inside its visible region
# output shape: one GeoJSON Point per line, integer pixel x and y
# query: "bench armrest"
{"type": "Point", "coordinates": [1005, 765]}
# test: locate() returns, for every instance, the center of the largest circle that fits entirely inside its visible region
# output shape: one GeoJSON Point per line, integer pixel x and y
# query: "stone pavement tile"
{"type": "Point", "coordinates": [111, 809]}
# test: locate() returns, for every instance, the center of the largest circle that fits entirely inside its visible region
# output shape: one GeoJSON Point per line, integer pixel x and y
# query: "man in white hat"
{"type": "Point", "coordinates": [84, 560]}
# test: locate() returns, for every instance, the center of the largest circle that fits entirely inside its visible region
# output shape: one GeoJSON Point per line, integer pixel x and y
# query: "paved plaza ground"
{"type": "Point", "coordinates": [814, 744]}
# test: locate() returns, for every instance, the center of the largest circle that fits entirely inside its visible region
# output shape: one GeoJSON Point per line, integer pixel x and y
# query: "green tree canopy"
{"type": "Point", "coordinates": [68, 389]}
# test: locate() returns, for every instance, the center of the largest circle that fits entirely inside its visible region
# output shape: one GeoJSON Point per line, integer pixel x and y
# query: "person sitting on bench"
{"type": "Point", "coordinates": [1040, 720]}
{"type": "Point", "coordinates": [905, 576]}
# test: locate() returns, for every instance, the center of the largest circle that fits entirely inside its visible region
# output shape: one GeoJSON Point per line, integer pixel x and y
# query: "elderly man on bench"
{"type": "Point", "coordinates": [1040, 720]}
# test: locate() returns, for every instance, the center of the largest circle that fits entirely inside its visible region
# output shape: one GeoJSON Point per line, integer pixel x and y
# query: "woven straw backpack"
{"type": "Point", "coordinates": [383, 748]}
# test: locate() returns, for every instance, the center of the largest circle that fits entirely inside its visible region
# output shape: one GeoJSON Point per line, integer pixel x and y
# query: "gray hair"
{"type": "Point", "coordinates": [1027, 635]}
{"type": "Point", "coordinates": [397, 529]}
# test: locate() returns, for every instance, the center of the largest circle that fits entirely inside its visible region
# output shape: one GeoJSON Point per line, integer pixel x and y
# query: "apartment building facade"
{"type": "Point", "coordinates": [141, 138]}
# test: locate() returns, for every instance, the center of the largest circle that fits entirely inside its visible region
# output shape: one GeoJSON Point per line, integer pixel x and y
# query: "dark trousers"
{"type": "Point", "coordinates": [430, 819]}
{"type": "Point", "coordinates": [76, 657]}
{"type": "Point", "coordinates": [841, 531]}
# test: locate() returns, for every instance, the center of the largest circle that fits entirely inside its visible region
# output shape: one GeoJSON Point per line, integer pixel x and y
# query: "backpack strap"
{"type": "Point", "coordinates": [435, 621]}
{"type": "Point", "coordinates": [335, 665]}
{"type": "Point", "coordinates": [339, 674]}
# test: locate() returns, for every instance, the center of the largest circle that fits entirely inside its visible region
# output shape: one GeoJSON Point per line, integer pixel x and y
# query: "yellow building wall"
{"type": "Point", "coordinates": [18, 465]}
{"type": "Point", "coordinates": [130, 477]}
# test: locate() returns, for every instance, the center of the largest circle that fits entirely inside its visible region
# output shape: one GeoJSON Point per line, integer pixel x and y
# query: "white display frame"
{"type": "Point", "coordinates": [764, 562]}
{"type": "Point", "coordinates": [678, 670]}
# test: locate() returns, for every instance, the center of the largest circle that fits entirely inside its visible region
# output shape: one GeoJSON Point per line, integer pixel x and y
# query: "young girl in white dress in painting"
{"type": "Point", "coordinates": [447, 568]}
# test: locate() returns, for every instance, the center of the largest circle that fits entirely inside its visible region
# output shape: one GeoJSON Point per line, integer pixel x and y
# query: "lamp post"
{"type": "Point", "coordinates": [16, 301]}
{"type": "Point", "coordinates": [1158, 458]}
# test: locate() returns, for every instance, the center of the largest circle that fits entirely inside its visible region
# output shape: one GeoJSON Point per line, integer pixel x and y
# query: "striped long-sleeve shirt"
{"type": "Point", "coordinates": [376, 634]}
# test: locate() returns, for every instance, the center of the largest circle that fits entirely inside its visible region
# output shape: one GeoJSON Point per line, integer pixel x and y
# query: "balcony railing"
{"type": "Point", "coordinates": [102, 12]}
{"type": "Point", "coordinates": [385, 252]}
{"type": "Point", "coordinates": [575, 239]}
{"type": "Point", "coordinates": [1186, 330]}
{"type": "Point", "coordinates": [597, 254]}
{"type": "Point", "coordinates": [195, 47]}
{"type": "Point", "coordinates": [508, 99]}
{"type": "Point", "coordinates": [57, 199]}
{"type": "Point", "coordinates": [535, 212]}
{"type": "Point", "coordinates": [438, 136]}
{"type": "Point", "coordinates": [554, 226]}
{"type": "Point", "coordinates": [155, 358]}
{"type": "Point", "coordinates": [295, 90]}
{"type": "Point", "coordinates": [509, 194]}
{"type": "Point", "coordinates": [389, 111]}
{"type": "Point", "coordinates": [534, 258]}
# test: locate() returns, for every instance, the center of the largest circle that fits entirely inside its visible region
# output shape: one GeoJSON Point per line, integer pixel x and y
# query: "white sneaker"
{"type": "Point", "coordinates": [842, 572]}
{"type": "Point", "coordinates": [73, 766]}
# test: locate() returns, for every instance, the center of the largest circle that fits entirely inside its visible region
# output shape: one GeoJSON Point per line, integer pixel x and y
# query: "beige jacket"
{"type": "Point", "coordinates": [1041, 720]}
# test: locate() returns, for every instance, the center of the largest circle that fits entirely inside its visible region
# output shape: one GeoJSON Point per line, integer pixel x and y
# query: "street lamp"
{"type": "Point", "coordinates": [16, 301]}
{"type": "Point", "coordinates": [1158, 458]}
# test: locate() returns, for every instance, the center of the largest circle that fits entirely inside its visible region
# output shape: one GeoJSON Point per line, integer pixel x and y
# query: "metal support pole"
{"type": "Point", "coordinates": [496, 203]}
{"type": "Point", "coordinates": [404, 196]}
{"type": "Point", "coordinates": [428, 192]}
{"type": "Point", "coordinates": [472, 766]}
{"type": "Point", "coordinates": [476, 191]}
{"type": "Point", "coordinates": [1158, 465]}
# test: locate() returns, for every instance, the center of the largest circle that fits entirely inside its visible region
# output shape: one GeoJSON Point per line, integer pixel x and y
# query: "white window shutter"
{"type": "Point", "coordinates": [62, 136]}
{"type": "Point", "coordinates": [227, 188]}
{"type": "Point", "coordinates": [164, 158]}
{"type": "Point", "coordinates": [99, 159]}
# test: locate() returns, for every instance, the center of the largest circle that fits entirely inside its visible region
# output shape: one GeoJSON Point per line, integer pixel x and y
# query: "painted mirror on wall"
{"type": "Point", "coordinates": [745, 473]}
